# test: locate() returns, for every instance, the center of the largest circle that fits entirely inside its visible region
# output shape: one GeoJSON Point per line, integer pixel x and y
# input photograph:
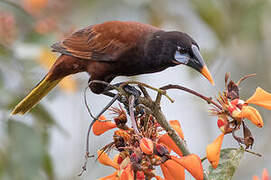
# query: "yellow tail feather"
{"type": "Point", "coordinates": [41, 90]}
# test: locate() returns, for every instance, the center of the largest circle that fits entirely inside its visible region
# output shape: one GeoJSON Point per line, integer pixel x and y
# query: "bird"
{"type": "Point", "coordinates": [116, 48]}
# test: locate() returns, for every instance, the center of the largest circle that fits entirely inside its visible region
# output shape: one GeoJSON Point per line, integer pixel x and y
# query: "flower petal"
{"type": "Point", "coordinates": [177, 127]}
{"type": "Point", "coordinates": [146, 145]}
{"type": "Point", "coordinates": [159, 178]}
{"type": "Point", "coordinates": [261, 98]}
{"type": "Point", "coordinates": [173, 170]}
{"type": "Point", "coordinates": [100, 127]}
{"type": "Point", "coordinates": [252, 114]}
{"type": "Point", "coordinates": [125, 162]}
{"type": "Point", "coordinates": [265, 175]}
{"type": "Point", "coordinates": [175, 122]}
{"type": "Point", "coordinates": [166, 172]}
{"type": "Point", "coordinates": [113, 176]}
{"type": "Point", "coordinates": [140, 175]}
{"type": "Point", "coordinates": [127, 174]}
{"type": "Point", "coordinates": [256, 178]}
{"type": "Point", "coordinates": [122, 133]}
{"type": "Point", "coordinates": [166, 140]}
{"type": "Point", "coordinates": [105, 160]}
{"type": "Point", "coordinates": [116, 158]}
{"type": "Point", "coordinates": [213, 151]}
{"type": "Point", "coordinates": [191, 163]}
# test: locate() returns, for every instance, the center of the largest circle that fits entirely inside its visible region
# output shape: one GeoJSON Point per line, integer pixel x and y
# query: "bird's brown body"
{"type": "Point", "coordinates": [105, 51]}
{"type": "Point", "coordinates": [113, 49]}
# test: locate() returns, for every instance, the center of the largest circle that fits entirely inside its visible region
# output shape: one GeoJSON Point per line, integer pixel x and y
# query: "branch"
{"type": "Point", "coordinates": [148, 86]}
{"type": "Point", "coordinates": [244, 78]}
{"type": "Point", "coordinates": [160, 118]}
{"type": "Point", "coordinates": [207, 99]}
{"type": "Point", "coordinates": [132, 114]}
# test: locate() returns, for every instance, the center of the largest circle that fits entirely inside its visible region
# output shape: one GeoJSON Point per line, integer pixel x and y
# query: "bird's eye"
{"type": "Point", "coordinates": [181, 49]}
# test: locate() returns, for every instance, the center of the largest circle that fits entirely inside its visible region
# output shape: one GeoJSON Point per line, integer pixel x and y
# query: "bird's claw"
{"type": "Point", "coordinates": [131, 91]}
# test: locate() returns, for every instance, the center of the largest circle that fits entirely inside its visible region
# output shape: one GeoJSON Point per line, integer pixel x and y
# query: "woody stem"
{"type": "Point", "coordinates": [207, 99]}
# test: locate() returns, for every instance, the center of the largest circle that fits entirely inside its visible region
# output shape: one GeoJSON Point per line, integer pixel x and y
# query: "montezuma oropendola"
{"type": "Point", "coordinates": [114, 49]}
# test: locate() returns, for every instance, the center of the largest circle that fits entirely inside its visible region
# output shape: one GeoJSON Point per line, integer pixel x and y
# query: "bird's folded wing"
{"type": "Point", "coordinates": [103, 42]}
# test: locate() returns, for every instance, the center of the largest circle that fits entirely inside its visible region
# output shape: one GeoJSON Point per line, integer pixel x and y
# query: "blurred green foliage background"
{"type": "Point", "coordinates": [48, 143]}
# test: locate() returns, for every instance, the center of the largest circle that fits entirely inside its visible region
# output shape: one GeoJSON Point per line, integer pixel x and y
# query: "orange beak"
{"type": "Point", "coordinates": [205, 72]}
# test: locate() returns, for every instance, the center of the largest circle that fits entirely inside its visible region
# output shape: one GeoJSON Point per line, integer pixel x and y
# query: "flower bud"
{"type": "Point", "coordinates": [161, 150]}
{"type": "Point", "coordinates": [101, 126]}
{"type": "Point", "coordinates": [213, 151]}
{"type": "Point", "coordinates": [146, 145]}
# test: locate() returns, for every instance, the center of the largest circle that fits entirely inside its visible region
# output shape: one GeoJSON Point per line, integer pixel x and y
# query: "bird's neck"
{"type": "Point", "coordinates": [157, 53]}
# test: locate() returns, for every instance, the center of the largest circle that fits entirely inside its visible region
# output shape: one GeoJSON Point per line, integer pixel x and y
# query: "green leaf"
{"type": "Point", "coordinates": [25, 152]}
{"type": "Point", "coordinates": [48, 167]}
{"type": "Point", "coordinates": [229, 162]}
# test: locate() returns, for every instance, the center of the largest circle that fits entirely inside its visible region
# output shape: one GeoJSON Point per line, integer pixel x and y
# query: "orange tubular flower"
{"type": "Point", "coordinates": [146, 145]}
{"type": "Point", "coordinates": [256, 178]}
{"type": "Point", "coordinates": [127, 174]}
{"type": "Point", "coordinates": [113, 176]}
{"type": "Point", "coordinates": [172, 170]}
{"type": "Point", "coordinates": [167, 141]}
{"type": "Point", "coordinates": [140, 175]}
{"type": "Point", "coordinates": [265, 176]}
{"type": "Point", "coordinates": [260, 98]}
{"type": "Point", "coordinates": [213, 151]}
{"type": "Point", "coordinates": [191, 163]}
{"type": "Point", "coordinates": [105, 160]}
{"type": "Point", "coordinates": [177, 127]}
{"type": "Point", "coordinates": [159, 178]}
{"type": "Point", "coordinates": [251, 114]}
{"type": "Point", "coordinates": [100, 127]}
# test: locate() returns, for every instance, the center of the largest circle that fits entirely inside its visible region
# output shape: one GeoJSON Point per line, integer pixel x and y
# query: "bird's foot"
{"type": "Point", "coordinates": [130, 90]}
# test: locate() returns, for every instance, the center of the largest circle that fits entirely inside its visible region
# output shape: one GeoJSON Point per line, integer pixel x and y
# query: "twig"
{"type": "Point", "coordinates": [158, 99]}
{"type": "Point", "coordinates": [90, 126]}
{"type": "Point", "coordinates": [86, 103]}
{"type": "Point", "coordinates": [203, 159]}
{"type": "Point", "coordinates": [251, 152]}
{"type": "Point", "coordinates": [148, 86]}
{"type": "Point", "coordinates": [244, 78]}
{"type": "Point", "coordinates": [132, 115]}
{"type": "Point", "coordinates": [207, 99]}
{"type": "Point", "coordinates": [160, 118]}
{"type": "Point", "coordinates": [254, 153]}
{"type": "Point", "coordinates": [96, 118]}
{"type": "Point", "coordinates": [84, 167]}
{"type": "Point", "coordinates": [145, 92]}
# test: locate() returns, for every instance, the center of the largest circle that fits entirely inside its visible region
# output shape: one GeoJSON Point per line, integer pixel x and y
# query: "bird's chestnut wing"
{"type": "Point", "coordinates": [104, 42]}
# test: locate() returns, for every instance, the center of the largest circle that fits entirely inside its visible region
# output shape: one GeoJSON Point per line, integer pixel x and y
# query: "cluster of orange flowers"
{"type": "Point", "coordinates": [140, 153]}
{"type": "Point", "coordinates": [232, 114]}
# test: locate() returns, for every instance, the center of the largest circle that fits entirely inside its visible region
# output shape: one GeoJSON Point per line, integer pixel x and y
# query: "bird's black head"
{"type": "Point", "coordinates": [180, 48]}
